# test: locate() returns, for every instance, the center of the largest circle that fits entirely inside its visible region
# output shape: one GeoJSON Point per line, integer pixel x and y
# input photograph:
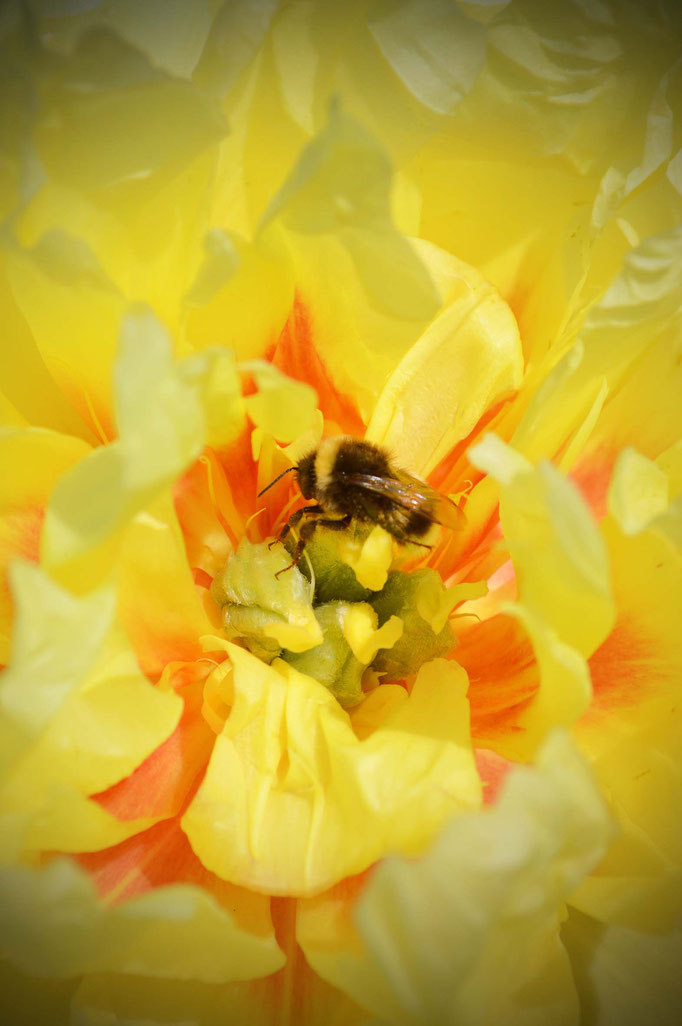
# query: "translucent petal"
{"type": "Point", "coordinates": [441, 70]}
{"type": "Point", "coordinates": [172, 36]}
{"type": "Point", "coordinates": [367, 290]}
{"type": "Point", "coordinates": [633, 729]}
{"type": "Point", "coordinates": [469, 933]}
{"type": "Point", "coordinates": [164, 412]}
{"type": "Point", "coordinates": [625, 977]}
{"type": "Point", "coordinates": [77, 716]}
{"type": "Point", "coordinates": [558, 555]}
{"type": "Point", "coordinates": [56, 926]}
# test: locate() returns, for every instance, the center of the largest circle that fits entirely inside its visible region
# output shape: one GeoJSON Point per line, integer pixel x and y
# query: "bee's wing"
{"type": "Point", "coordinates": [412, 494]}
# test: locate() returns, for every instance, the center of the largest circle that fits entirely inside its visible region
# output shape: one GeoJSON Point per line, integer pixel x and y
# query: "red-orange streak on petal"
{"type": "Point", "coordinates": [160, 785]}
{"type": "Point", "coordinates": [295, 355]}
{"type": "Point", "coordinates": [157, 857]}
{"type": "Point", "coordinates": [624, 669]}
{"type": "Point", "coordinates": [503, 673]}
{"type": "Point", "coordinates": [592, 475]}
{"type": "Point", "coordinates": [492, 769]}
{"type": "Point", "coordinates": [202, 509]}
{"type": "Point", "coordinates": [241, 473]}
{"type": "Point", "coordinates": [454, 469]}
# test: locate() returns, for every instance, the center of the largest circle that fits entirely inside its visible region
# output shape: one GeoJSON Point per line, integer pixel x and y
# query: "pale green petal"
{"type": "Point", "coordinates": [55, 641]}
{"type": "Point", "coordinates": [258, 604]}
{"type": "Point", "coordinates": [558, 554]}
{"type": "Point", "coordinates": [237, 32]}
{"type": "Point", "coordinates": [625, 977]}
{"type": "Point", "coordinates": [435, 49]}
{"type": "Point", "coordinates": [638, 491]}
{"type": "Point", "coordinates": [469, 933]}
{"type": "Point", "coordinates": [55, 925]}
{"type": "Point", "coordinates": [165, 411]}
{"type": "Point", "coordinates": [173, 34]}
{"type": "Point", "coordinates": [78, 716]}
{"type": "Point", "coordinates": [341, 184]}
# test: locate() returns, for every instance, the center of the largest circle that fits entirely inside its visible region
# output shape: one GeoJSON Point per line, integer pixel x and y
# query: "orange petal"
{"type": "Point", "coordinates": [158, 600]}
{"type": "Point", "coordinates": [159, 787]}
{"type": "Point", "coordinates": [295, 354]}
{"type": "Point", "coordinates": [503, 675]}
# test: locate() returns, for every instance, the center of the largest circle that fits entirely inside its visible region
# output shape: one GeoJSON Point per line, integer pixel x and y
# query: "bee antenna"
{"type": "Point", "coordinates": [287, 471]}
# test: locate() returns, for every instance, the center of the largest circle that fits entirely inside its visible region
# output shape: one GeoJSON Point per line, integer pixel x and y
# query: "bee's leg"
{"type": "Point", "coordinates": [292, 521]}
{"type": "Point", "coordinates": [315, 517]}
{"type": "Point", "coordinates": [338, 524]}
{"type": "Point", "coordinates": [422, 545]}
{"type": "Point", "coordinates": [305, 533]}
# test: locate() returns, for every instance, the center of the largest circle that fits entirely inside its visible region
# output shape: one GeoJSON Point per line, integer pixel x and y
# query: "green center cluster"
{"type": "Point", "coordinates": [320, 619]}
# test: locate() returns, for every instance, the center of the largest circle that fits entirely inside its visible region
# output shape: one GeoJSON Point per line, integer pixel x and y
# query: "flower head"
{"type": "Point", "coordinates": [351, 776]}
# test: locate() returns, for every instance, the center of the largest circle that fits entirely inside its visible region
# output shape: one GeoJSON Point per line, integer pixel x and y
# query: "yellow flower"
{"type": "Point", "coordinates": [391, 784]}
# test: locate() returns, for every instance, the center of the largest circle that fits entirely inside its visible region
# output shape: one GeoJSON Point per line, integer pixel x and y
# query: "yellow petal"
{"type": "Point", "coordinates": [443, 68]}
{"type": "Point", "coordinates": [305, 803]}
{"type": "Point", "coordinates": [32, 461]}
{"type": "Point", "coordinates": [173, 37]}
{"type": "Point", "coordinates": [639, 306]}
{"type": "Point", "coordinates": [242, 295]}
{"type": "Point", "coordinates": [467, 359]}
{"type": "Point", "coordinates": [283, 407]}
{"type": "Point", "coordinates": [364, 287]}
{"type": "Point", "coordinates": [362, 634]}
{"type": "Point", "coordinates": [469, 933]}
{"type": "Point", "coordinates": [633, 729]}
{"type": "Point", "coordinates": [158, 603]}
{"type": "Point", "coordinates": [371, 560]}
{"type": "Point", "coordinates": [25, 378]}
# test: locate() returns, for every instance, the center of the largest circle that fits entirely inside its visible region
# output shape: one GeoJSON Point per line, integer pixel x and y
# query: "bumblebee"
{"type": "Point", "coordinates": [348, 480]}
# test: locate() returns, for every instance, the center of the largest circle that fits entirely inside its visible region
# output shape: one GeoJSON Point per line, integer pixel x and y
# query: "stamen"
{"type": "Point", "coordinates": [232, 530]}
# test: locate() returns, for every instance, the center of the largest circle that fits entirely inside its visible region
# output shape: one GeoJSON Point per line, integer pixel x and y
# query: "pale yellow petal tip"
{"type": "Point", "coordinates": [282, 407]}
{"type": "Point", "coordinates": [638, 491]}
{"type": "Point", "coordinates": [370, 559]}
{"type": "Point", "coordinates": [363, 636]}
{"type": "Point", "coordinates": [495, 457]}
{"type": "Point", "coordinates": [414, 918]}
{"type": "Point", "coordinates": [296, 637]}
{"type": "Point", "coordinates": [435, 603]}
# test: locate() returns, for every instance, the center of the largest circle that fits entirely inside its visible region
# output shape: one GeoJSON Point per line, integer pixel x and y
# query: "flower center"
{"type": "Point", "coordinates": [341, 615]}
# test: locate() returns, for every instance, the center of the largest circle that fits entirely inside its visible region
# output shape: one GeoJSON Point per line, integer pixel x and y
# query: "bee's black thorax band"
{"type": "Point", "coordinates": [307, 476]}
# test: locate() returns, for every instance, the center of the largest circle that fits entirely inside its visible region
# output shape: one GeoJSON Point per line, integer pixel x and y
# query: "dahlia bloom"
{"type": "Point", "coordinates": [392, 784]}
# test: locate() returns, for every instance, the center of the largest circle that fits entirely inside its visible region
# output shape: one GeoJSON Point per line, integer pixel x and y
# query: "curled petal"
{"type": "Point", "coordinates": [304, 802]}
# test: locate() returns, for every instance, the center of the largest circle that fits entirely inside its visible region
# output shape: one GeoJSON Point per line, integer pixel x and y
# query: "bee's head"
{"type": "Point", "coordinates": [307, 478]}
